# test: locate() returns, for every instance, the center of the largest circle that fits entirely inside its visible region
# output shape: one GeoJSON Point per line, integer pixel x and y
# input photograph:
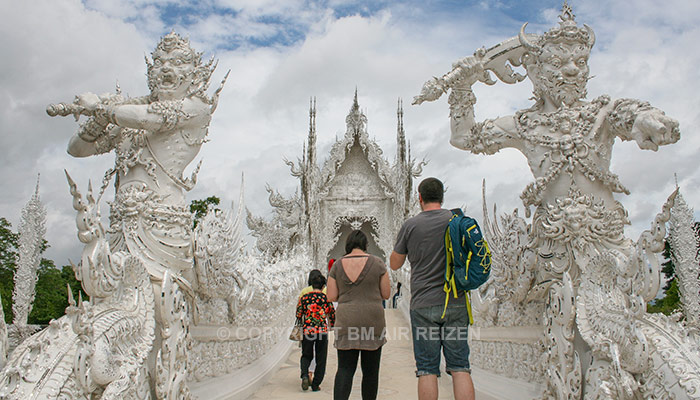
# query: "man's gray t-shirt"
{"type": "Point", "coordinates": [422, 239]}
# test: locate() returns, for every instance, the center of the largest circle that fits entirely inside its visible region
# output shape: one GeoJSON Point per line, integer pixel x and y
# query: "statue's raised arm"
{"type": "Point", "coordinates": [479, 137]}
{"type": "Point", "coordinates": [567, 140]}
{"type": "Point", "coordinates": [156, 136]}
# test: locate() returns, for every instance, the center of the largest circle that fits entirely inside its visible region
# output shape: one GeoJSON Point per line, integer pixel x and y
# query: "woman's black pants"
{"type": "Point", "coordinates": [318, 342]}
{"type": "Point", "coordinates": [347, 364]}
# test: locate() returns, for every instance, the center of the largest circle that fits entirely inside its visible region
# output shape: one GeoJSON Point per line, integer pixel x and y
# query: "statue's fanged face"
{"type": "Point", "coordinates": [564, 72]}
{"type": "Point", "coordinates": [172, 74]}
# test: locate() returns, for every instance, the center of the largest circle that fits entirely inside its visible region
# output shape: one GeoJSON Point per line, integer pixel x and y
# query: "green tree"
{"type": "Point", "coordinates": [670, 301]}
{"type": "Point", "coordinates": [51, 292]}
{"type": "Point", "coordinates": [8, 265]}
{"type": "Point", "coordinates": [199, 208]}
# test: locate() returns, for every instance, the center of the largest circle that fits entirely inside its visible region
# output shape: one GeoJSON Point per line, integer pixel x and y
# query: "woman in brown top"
{"type": "Point", "coordinates": [358, 282]}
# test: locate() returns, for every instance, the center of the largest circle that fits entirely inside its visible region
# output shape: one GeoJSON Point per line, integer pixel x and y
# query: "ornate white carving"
{"type": "Point", "coordinates": [31, 237]}
{"type": "Point", "coordinates": [218, 250]}
{"type": "Point", "coordinates": [285, 231]}
{"type": "Point", "coordinates": [101, 346]}
{"type": "Point", "coordinates": [686, 260]}
{"type": "Point", "coordinates": [573, 257]}
{"type": "Point", "coordinates": [507, 358]}
{"type": "Point", "coordinates": [263, 311]}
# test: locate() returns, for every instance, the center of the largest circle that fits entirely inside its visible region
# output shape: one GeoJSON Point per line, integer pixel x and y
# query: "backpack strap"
{"type": "Point", "coordinates": [450, 285]}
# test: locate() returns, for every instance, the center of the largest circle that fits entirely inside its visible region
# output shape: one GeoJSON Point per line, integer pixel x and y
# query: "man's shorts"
{"type": "Point", "coordinates": [431, 333]}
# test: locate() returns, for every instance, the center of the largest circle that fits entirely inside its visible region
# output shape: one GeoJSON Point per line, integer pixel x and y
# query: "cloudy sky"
{"type": "Point", "coordinates": [281, 53]}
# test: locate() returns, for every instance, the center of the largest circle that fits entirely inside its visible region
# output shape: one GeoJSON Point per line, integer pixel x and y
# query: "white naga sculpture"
{"type": "Point", "coordinates": [571, 271]}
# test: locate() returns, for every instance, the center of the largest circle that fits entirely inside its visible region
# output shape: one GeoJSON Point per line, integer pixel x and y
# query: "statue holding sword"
{"type": "Point", "coordinates": [577, 223]}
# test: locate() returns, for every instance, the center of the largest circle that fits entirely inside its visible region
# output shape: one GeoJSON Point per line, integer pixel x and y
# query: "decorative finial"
{"type": "Point", "coordinates": [567, 14]}
{"type": "Point", "coordinates": [675, 177]}
{"type": "Point", "coordinates": [36, 190]}
{"type": "Point", "coordinates": [566, 31]}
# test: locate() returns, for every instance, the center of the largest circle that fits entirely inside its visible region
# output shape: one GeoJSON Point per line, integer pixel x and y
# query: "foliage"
{"type": "Point", "coordinates": [52, 292]}
{"type": "Point", "coordinates": [8, 265]}
{"type": "Point", "coordinates": [199, 208]}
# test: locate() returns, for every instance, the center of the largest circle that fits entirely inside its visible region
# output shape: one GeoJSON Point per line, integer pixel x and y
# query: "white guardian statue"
{"type": "Point", "coordinates": [132, 338]}
{"type": "Point", "coordinates": [571, 271]}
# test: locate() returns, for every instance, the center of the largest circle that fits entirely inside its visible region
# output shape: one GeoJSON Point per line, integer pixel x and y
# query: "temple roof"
{"type": "Point", "coordinates": [356, 134]}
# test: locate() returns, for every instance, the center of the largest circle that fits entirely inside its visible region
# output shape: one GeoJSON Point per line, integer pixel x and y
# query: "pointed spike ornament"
{"type": "Point", "coordinates": [71, 300]}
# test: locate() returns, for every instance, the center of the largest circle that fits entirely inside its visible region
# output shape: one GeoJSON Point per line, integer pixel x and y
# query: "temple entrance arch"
{"type": "Point", "coordinates": [344, 225]}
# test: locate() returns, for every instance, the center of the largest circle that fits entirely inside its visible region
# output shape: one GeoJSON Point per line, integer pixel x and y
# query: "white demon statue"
{"type": "Point", "coordinates": [131, 339]}
{"type": "Point", "coordinates": [594, 282]}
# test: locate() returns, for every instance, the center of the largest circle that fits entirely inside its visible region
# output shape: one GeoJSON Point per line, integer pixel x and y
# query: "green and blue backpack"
{"type": "Point", "coordinates": [468, 258]}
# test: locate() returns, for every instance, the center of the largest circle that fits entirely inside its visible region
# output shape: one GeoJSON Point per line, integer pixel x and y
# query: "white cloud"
{"type": "Point", "coordinates": [645, 49]}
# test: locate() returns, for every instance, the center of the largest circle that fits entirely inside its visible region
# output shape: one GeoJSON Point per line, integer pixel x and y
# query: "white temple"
{"type": "Point", "coordinates": [357, 188]}
{"type": "Point", "coordinates": [182, 313]}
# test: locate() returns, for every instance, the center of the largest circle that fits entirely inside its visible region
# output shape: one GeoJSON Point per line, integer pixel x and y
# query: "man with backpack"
{"type": "Point", "coordinates": [439, 319]}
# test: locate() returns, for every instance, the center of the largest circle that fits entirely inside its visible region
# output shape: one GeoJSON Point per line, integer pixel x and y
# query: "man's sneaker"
{"type": "Point", "coordinates": [315, 388]}
{"type": "Point", "coordinates": [305, 383]}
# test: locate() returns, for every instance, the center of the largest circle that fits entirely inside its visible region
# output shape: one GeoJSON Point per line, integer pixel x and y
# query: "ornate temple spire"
{"type": "Point", "coordinates": [311, 157]}
{"type": "Point", "coordinates": [356, 121]}
{"type": "Point", "coordinates": [400, 136]}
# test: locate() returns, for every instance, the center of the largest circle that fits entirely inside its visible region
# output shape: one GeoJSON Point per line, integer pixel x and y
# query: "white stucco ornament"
{"type": "Point", "coordinates": [169, 306]}
{"type": "Point", "coordinates": [570, 274]}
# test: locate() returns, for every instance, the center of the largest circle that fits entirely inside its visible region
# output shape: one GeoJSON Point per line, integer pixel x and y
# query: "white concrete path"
{"type": "Point", "coordinates": [397, 379]}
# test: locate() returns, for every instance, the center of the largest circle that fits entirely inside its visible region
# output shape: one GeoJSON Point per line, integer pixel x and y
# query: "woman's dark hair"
{"type": "Point", "coordinates": [317, 281]}
{"type": "Point", "coordinates": [356, 240]}
{"type": "Point", "coordinates": [431, 190]}
{"type": "Point", "coordinates": [313, 275]}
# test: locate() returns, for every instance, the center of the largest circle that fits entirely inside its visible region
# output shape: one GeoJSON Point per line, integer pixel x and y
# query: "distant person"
{"type": "Point", "coordinates": [312, 274]}
{"type": "Point", "coordinates": [316, 314]}
{"type": "Point", "coordinates": [330, 264]}
{"type": "Point", "coordinates": [435, 325]}
{"type": "Point", "coordinates": [396, 296]}
{"type": "Point", "coordinates": [359, 282]}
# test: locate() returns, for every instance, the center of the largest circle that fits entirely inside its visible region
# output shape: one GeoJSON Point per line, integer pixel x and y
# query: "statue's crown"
{"type": "Point", "coordinates": [567, 31]}
{"type": "Point", "coordinates": [173, 41]}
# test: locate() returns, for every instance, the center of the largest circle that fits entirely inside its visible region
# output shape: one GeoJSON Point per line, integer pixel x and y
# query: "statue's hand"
{"type": "Point", "coordinates": [653, 128]}
{"type": "Point", "coordinates": [464, 74]}
{"type": "Point", "coordinates": [88, 101]}
{"type": "Point", "coordinates": [431, 91]}
{"type": "Point", "coordinates": [471, 69]}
